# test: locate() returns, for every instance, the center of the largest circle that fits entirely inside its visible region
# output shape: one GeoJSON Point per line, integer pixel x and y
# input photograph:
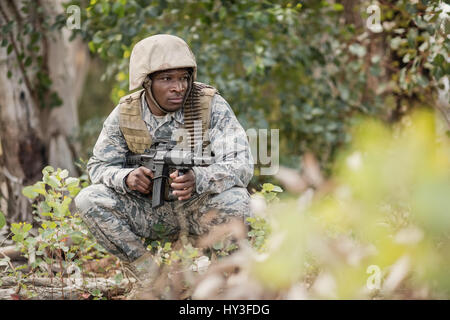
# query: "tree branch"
{"type": "Point", "coordinates": [20, 62]}
{"type": "Point", "coordinates": [14, 9]}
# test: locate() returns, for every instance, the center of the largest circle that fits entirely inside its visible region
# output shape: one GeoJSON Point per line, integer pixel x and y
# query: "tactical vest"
{"type": "Point", "coordinates": [196, 107]}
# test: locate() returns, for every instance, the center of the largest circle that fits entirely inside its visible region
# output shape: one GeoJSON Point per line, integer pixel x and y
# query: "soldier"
{"type": "Point", "coordinates": [116, 207]}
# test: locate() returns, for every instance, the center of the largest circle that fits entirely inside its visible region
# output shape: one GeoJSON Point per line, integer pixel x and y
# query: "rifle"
{"type": "Point", "coordinates": [162, 159]}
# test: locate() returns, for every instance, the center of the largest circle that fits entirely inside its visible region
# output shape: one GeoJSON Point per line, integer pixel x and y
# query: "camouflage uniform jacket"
{"type": "Point", "coordinates": [233, 164]}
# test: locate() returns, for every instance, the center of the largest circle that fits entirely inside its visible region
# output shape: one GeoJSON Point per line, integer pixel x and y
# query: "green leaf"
{"type": "Point", "coordinates": [91, 46]}
{"type": "Point", "coordinates": [439, 59]}
{"type": "Point", "coordinates": [18, 237]}
{"type": "Point", "coordinates": [96, 292]}
{"type": "Point", "coordinates": [52, 225]}
{"type": "Point", "coordinates": [77, 237]}
{"type": "Point", "coordinates": [260, 233]}
{"type": "Point", "coordinates": [73, 191]}
{"type": "Point", "coordinates": [48, 169]}
{"type": "Point", "coordinates": [277, 189]}
{"type": "Point", "coordinates": [270, 196]}
{"type": "Point", "coordinates": [39, 187]}
{"type": "Point", "coordinates": [358, 50]}
{"type": "Point", "coordinates": [218, 245]}
{"type": "Point", "coordinates": [27, 227]}
{"type": "Point", "coordinates": [44, 207]}
{"type": "Point", "coordinates": [64, 174]}
{"type": "Point", "coordinates": [268, 187]}
{"type": "Point", "coordinates": [66, 201]}
{"type": "Point", "coordinates": [118, 278]}
{"type": "Point", "coordinates": [2, 220]}
{"type": "Point", "coordinates": [52, 181]}
{"type": "Point", "coordinates": [9, 49]}
{"type": "Point", "coordinates": [35, 36]}
{"type": "Point", "coordinates": [338, 7]}
{"type": "Point", "coordinates": [251, 220]}
{"type": "Point", "coordinates": [30, 242]}
{"type": "Point", "coordinates": [72, 182]}
{"type": "Point", "coordinates": [28, 61]}
{"type": "Point", "coordinates": [16, 227]}
{"type": "Point", "coordinates": [4, 262]}
{"type": "Point", "coordinates": [8, 27]}
{"type": "Point", "coordinates": [119, 9]}
{"type": "Point", "coordinates": [167, 246]}
{"type": "Point", "coordinates": [97, 39]}
{"type": "Point", "coordinates": [29, 192]}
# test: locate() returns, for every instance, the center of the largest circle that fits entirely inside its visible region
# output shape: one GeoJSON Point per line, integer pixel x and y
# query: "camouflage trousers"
{"type": "Point", "coordinates": [119, 222]}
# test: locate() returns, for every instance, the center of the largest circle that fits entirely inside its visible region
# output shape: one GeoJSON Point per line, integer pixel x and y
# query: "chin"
{"type": "Point", "coordinates": [173, 107]}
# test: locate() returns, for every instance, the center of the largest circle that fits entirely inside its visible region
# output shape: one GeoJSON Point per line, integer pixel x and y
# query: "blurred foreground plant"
{"type": "Point", "coordinates": [383, 229]}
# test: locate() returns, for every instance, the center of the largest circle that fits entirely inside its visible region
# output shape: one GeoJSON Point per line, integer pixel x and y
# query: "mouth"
{"type": "Point", "coordinates": [176, 100]}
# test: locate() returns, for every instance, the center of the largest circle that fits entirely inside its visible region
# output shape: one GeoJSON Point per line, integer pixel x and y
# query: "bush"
{"type": "Point", "coordinates": [383, 229]}
{"type": "Point", "coordinates": [63, 242]}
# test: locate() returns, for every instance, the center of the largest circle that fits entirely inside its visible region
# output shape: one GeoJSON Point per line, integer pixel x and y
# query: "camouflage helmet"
{"type": "Point", "coordinates": [156, 53]}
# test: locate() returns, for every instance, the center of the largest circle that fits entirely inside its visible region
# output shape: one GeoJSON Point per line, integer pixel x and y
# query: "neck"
{"type": "Point", "coordinates": [153, 108]}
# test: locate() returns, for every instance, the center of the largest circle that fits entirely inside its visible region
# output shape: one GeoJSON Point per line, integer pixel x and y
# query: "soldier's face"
{"type": "Point", "coordinates": [169, 88]}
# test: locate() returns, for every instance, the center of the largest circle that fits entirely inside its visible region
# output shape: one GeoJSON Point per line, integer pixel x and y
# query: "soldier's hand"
{"type": "Point", "coordinates": [184, 185]}
{"type": "Point", "coordinates": [140, 180]}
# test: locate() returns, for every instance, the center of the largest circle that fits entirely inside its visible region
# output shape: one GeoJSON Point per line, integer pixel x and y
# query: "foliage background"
{"type": "Point", "coordinates": [315, 71]}
{"type": "Point", "coordinates": [306, 68]}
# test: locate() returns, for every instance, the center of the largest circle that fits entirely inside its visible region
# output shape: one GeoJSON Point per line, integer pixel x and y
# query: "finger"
{"type": "Point", "coordinates": [181, 186]}
{"type": "Point", "coordinates": [143, 190]}
{"type": "Point", "coordinates": [144, 179]}
{"type": "Point", "coordinates": [185, 198]}
{"type": "Point", "coordinates": [183, 193]}
{"type": "Point", "coordinates": [184, 178]}
{"type": "Point", "coordinates": [146, 188]}
{"type": "Point", "coordinates": [139, 184]}
{"type": "Point", "coordinates": [188, 196]}
{"type": "Point", "coordinates": [142, 185]}
{"type": "Point", "coordinates": [147, 172]}
{"type": "Point", "coordinates": [174, 174]}
{"type": "Point", "coordinates": [138, 187]}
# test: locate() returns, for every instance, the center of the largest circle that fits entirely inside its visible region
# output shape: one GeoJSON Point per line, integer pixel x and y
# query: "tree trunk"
{"type": "Point", "coordinates": [31, 135]}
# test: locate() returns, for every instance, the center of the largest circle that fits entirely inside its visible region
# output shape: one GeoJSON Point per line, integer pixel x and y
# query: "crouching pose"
{"type": "Point", "coordinates": [117, 207]}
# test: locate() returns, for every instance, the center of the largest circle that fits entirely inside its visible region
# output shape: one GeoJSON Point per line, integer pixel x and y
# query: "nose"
{"type": "Point", "coordinates": [178, 86]}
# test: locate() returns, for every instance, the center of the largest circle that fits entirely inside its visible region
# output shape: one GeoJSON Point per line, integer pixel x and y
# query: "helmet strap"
{"type": "Point", "coordinates": [148, 90]}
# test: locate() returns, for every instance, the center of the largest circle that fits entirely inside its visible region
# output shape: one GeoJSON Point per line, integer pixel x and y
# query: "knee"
{"type": "Point", "coordinates": [91, 196]}
{"type": "Point", "coordinates": [83, 199]}
{"type": "Point", "coordinates": [235, 201]}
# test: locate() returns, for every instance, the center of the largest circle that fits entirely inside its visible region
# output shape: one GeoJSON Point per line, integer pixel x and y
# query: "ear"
{"type": "Point", "coordinates": [147, 82]}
